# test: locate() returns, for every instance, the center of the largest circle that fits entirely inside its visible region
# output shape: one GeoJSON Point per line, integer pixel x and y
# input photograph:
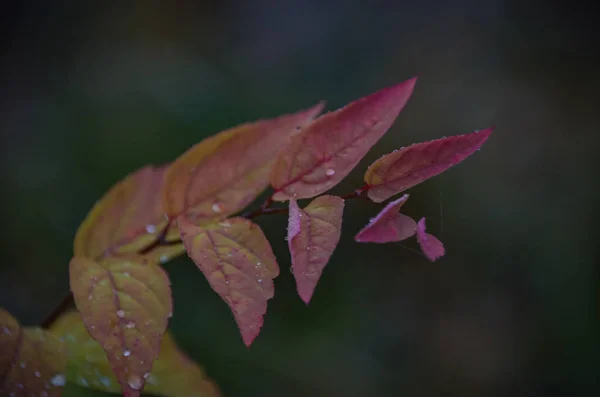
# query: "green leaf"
{"type": "Point", "coordinates": [224, 173]}
{"type": "Point", "coordinates": [173, 373]}
{"type": "Point", "coordinates": [239, 264]}
{"type": "Point", "coordinates": [32, 361]}
{"type": "Point", "coordinates": [125, 303]}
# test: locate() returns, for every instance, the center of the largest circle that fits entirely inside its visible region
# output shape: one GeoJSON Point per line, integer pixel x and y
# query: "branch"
{"type": "Point", "coordinates": [264, 209]}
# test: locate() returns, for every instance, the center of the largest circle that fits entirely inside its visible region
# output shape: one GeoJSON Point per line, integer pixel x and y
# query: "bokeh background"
{"type": "Point", "coordinates": [90, 91]}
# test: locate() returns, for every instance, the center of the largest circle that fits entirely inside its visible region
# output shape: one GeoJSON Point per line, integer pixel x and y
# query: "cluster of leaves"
{"type": "Point", "coordinates": [117, 340]}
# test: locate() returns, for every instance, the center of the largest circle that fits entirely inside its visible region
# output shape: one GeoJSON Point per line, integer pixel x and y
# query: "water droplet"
{"type": "Point", "coordinates": [146, 375]}
{"type": "Point", "coordinates": [170, 314]}
{"type": "Point", "coordinates": [7, 331]}
{"type": "Point", "coordinates": [58, 380]}
{"type": "Point", "coordinates": [330, 172]}
{"type": "Point", "coordinates": [151, 228]}
{"type": "Point", "coordinates": [23, 364]}
{"type": "Point", "coordinates": [120, 313]}
{"type": "Point", "coordinates": [291, 270]}
{"type": "Point", "coordinates": [37, 374]}
{"type": "Point", "coordinates": [164, 259]}
{"type": "Point", "coordinates": [260, 280]}
{"type": "Point", "coordinates": [130, 325]}
{"type": "Point", "coordinates": [286, 238]}
{"type": "Point", "coordinates": [216, 207]}
{"type": "Point", "coordinates": [126, 352]}
{"type": "Point", "coordinates": [308, 248]}
{"type": "Point", "coordinates": [126, 274]}
{"type": "Point", "coordinates": [258, 264]}
{"type": "Point", "coordinates": [135, 382]}
{"type": "Point", "coordinates": [105, 381]}
{"type": "Point", "coordinates": [225, 224]}
{"type": "Point", "coordinates": [83, 381]}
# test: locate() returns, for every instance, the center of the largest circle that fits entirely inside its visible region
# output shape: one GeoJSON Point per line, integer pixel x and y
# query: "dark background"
{"type": "Point", "coordinates": [90, 92]}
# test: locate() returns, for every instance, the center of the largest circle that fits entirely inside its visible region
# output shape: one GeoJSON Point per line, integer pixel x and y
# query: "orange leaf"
{"type": "Point", "coordinates": [320, 156]}
{"type": "Point", "coordinates": [125, 303]}
{"type": "Point", "coordinates": [239, 264]}
{"type": "Point", "coordinates": [128, 218]}
{"type": "Point", "coordinates": [224, 173]}
{"type": "Point", "coordinates": [32, 361]}
{"type": "Point", "coordinates": [313, 234]}
{"type": "Point", "coordinates": [409, 166]}
{"type": "Point", "coordinates": [173, 373]}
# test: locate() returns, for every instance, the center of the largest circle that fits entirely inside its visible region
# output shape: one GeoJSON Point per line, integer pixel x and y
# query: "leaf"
{"type": "Point", "coordinates": [125, 303]}
{"type": "Point", "coordinates": [409, 166]}
{"type": "Point", "coordinates": [32, 361]}
{"type": "Point", "coordinates": [389, 225]}
{"type": "Point", "coordinates": [239, 264]}
{"type": "Point", "coordinates": [172, 375]}
{"type": "Point", "coordinates": [321, 155]}
{"type": "Point", "coordinates": [126, 219]}
{"type": "Point", "coordinates": [430, 245]}
{"type": "Point", "coordinates": [224, 173]}
{"type": "Point", "coordinates": [313, 234]}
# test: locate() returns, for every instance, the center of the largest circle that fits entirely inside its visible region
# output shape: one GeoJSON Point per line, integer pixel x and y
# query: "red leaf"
{"type": "Point", "coordinates": [239, 264]}
{"type": "Point", "coordinates": [320, 156]}
{"type": "Point", "coordinates": [389, 225]}
{"type": "Point", "coordinates": [407, 167]}
{"type": "Point", "coordinates": [127, 218]}
{"type": "Point", "coordinates": [431, 246]}
{"type": "Point", "coordinates": [32, 361]}
{"type": "Point", "coordinates": [224, 173]}
{"type": "Point", "coordinates": [313, 234]}
{"type": "Point", "coordinates": [125, 303]}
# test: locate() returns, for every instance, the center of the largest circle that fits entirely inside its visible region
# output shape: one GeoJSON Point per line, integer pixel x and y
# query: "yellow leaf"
{"type": "Point", "coordinates": [127, 219]}
{"type": "Point", "coordinates": [173, 374]}
{"type": "Point", "coordinates": [125, 303]}
{"type": "Point", "coordinates": [32, 361]}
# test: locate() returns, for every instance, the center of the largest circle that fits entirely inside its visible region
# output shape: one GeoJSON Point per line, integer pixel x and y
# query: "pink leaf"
{"type": "Point", "coordinates": [389, 225]}
{"type": "Point", "coordinates": [313, 234]}
{"type": "Point", "coordinates": [431, 246]}
{"type": "Point", "coordinates": [321, 155]}
{"type": "Point", "coordinates": [239, 264]}
{"type": "Point", "coordinates": [407, 167]}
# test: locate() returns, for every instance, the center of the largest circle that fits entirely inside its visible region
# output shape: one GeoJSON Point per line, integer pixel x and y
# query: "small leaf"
{"type": "Point", "coordinates": [125, 303]}
{"type": "Point", "coordinates": [389, 225]}
{"type": "Point", "coordinates": [313, 234]}
{"type": "Point", "coordinates": [224, 173]}
{"type": "Point", "coordinates": [172, 375]}
{"type": "Point", "coordinates": [409, 166]}
{"type": "Point", "coordinates": [430, 245]}
{"type": "Point", "coordinates": [32, 361]}
{"type": "Point", "coordinates": [239, 264]}
{"type": "Point", "coordinates": [128, 218]}
{"type": "Point", "coordinates": [320, 156]}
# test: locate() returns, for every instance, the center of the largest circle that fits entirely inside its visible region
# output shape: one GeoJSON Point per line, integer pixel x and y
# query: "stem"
{"type": "Point", "coordinates": [264, 209]}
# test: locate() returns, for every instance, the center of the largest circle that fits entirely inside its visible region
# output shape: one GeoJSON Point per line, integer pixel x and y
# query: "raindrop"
{"type": "Point", "coordinates": [216, 207]}
{"type": "Point", "coordinates": [37, 374]}
{"type": "Point", "coordinates": [151, 229]}
{"type": "Point", "coordinates": [135, 382]}
{"type": "Point", "coordinates": [58, 380]}
{"type": "Point", "coordinates": [146, 375]}
{"type": "Point", "coordinates": [126, 352]}
{"type": "Point", "coordinates": [7, 331]}
{"type": "Point", "coordinates": [258, 264]}
{"type": "Point", "coordinates": [330, 172]}
{"type": "Point", "coordinates": [130, 325]}
{"type": "Point", "coordinates": [260, 280]}
{"type": "Point", "coordinates": [120, 313]}
{"type": "Point", "coordinates": [164, 259]}
{"type": "Point", "coordinates": [105, 381]}
{"type": "Point", "coordinates": [126, 274]}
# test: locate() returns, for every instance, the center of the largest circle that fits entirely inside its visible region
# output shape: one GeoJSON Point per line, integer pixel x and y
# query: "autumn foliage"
{"type": "Point", "coordinates": [117, 340]}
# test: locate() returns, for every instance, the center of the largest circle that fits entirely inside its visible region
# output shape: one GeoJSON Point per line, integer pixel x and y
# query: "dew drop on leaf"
{"type": "Point", "coordinates": [216, 207]}
{"type": "Point", "coordinates": [126, 352]}
{"type": "Point", "coordinates": [151, 229]}
{"type": "Point", "coordinates": [135, 382]}
{"type": "Point", "coordinates": [130, 325]}
{"type": "Point", "coordinates": [120, 313]}
{"type": "Point", "coordinates": [37, 374]}
{"type": "Point", "coordinates": [58, 380]}
{"type": "Point", "coordinates": [330, 172]}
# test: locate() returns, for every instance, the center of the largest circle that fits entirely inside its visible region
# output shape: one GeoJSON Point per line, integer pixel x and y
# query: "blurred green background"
{"type": "Point", "coordinates": [90, 91]}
